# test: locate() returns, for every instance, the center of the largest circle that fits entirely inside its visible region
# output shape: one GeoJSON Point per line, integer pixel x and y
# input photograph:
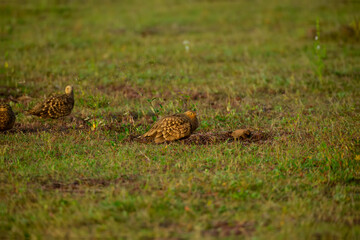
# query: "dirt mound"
{"type": "Point", "coordinates": [207, 138]}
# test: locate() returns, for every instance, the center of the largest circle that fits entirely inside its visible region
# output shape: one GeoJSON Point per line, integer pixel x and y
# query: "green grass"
{"type": "Point", "coordinates": [250, 64]}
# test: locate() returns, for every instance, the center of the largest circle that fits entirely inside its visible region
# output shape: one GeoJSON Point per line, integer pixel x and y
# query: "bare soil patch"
{"type": "Point", "coordinates": [208, 138]}
{"type": "Point", "coordinates": [50, 125]}
{"type": "Point", "coordinates": [225, 229]}
{"type": "Point", "coordinates": [130, 92]}
{"type": "Point", "coordinates": [80, 185]}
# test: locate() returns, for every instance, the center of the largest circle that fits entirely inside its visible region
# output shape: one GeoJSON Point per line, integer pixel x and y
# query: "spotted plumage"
{"type": "Point", "coordinates": [56, 106]}
{"type": "Point", "coordinates": [173, 127]}
{"type": "Point", "coordinates": [7, 117]}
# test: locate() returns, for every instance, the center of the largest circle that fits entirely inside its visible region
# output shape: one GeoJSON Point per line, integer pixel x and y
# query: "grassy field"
{"type": "Point", "coordinates": [239, 64]}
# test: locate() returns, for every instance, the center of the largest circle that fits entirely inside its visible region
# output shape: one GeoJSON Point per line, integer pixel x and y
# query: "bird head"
{"type": "Point", "coordinates": [4, 107]}
{"type": "Point", "coordinates": [193, 119]}
{"type": "Point", "coordinates": [190, 114]}
{"type": "Point", "coordinates": [69, 90]}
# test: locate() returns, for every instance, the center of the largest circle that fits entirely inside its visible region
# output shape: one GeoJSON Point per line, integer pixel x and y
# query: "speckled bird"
{"type": "Point", "coordinates": [173, 127]}
{"type": "Point", "coordinates": [56, 106]}
{"type": "Point", "coordinates": [7, 116]}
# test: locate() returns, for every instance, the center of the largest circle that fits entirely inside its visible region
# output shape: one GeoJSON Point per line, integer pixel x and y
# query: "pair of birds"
{"type": "Point", "coordinates": [55, 106]}
{"type": "Point", "coordinates": [169, 128]}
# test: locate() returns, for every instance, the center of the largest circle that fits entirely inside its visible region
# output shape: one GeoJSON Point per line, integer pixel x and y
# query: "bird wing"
{"type": "Point", "coordinates": [60, 106]}
{"type": "Point", "coordinates": [53, 107]}
{"type": "Point", "coordinates": [7, 117]}
{"type": "Point", "coordinates": [172, 128]}
{"type": "Point", "coordinates": [41, 108]}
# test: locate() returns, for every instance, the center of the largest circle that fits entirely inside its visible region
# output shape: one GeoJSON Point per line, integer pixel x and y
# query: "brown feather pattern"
{"type": "Point", "coordinates": [55, 106]}
{"type": "Point", "coordinates": [7, 117]}
{"type": "Point", "coordinates": [173, 127]}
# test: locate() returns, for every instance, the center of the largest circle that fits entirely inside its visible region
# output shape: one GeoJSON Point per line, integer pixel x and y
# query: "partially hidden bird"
{"type": "Point", "coordinates": [7, 116]}
{"type": "Point", "coordinates": [55, 106]}
{"type": "Point", "coordinates": [173, 127]}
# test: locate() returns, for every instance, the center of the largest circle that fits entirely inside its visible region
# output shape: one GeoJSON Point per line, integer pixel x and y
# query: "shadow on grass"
{"type": "Point", "coordinates": [62, 125]}
{"type": "Point", "coordinates": [83, 184]}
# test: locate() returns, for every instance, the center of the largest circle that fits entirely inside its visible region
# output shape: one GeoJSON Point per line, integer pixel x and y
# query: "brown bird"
{"type": "Point", "coordinates": [173, 127]}
{"type": "Point", "coordinates": [7, 116]}
{"type": "Point", "coordinates": [55, 106]}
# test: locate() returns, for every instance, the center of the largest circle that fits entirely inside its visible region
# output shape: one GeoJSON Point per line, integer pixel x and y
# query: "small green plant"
{"type": "Point", "coordinates": [320, 54]}
{"type": "Point", "coordinates": [96, 102]}
{"type": "Point", "coordinates": [96, 124]}
{"type": "Point", "coordinates": [155, 109]}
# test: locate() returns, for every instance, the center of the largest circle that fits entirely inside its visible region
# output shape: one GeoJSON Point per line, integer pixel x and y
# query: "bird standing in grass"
{"type": "Point", "coordinates": [7, 116]}
{"type": "Point", "coordinates": [173, 127]}
{"type": "Point", "coordinates": [55, 106]}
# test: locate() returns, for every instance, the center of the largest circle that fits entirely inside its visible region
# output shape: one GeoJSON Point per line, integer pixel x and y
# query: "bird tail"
{"type": "Point", "coordinates": [142, 139]}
